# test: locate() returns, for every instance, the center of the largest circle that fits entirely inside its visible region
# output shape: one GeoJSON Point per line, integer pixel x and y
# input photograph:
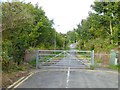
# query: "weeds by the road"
{"type": "Point", "coordinates": [114, 67]}
{"type": "Point", "coordinates": [92, 67]}
{"type": "Point", "coordinates": [32, 63]}
{"type": "Point", "coordinates": [14, 73]}
{"type": "Point", "coordinates": [10, 78]}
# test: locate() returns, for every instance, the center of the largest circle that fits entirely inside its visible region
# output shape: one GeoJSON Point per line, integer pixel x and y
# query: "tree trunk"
{"type": "Point", "coordinates": [111, 32]}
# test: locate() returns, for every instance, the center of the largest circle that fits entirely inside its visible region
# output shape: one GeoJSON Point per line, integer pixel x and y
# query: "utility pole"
{"type": "Point", "coordinates": [55, 39]}
{"type": "Point", "coordinates": [55, 42]}
{"type": "Point", "coordinates": [65, 42]}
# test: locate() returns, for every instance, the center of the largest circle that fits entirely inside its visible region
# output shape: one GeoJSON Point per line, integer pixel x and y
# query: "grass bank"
{"type": "Point", "coordinates": [9, 77]}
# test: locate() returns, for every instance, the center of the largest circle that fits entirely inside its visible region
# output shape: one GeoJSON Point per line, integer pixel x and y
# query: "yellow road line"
{"type": "Point", "coordinates": [16, 82]}
{"type": "Point", "coordinates": [23, 80]}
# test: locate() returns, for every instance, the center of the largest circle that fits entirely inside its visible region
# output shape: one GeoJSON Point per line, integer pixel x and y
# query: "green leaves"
{"type": "Point", "coordinates": [100, 27]}
{"type": "Point", "coordinates": [24, 26]}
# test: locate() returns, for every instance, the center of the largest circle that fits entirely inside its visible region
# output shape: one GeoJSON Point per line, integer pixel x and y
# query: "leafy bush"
{"type": "Point", "coordinates": [114, 67]}
{"type": "Point", "coordinates": [6, 55]}
{"type": "Point", "coordinates": [98, 60]}
{"type": "Point", "coordinates": [33, 62]}
{"type": "Point", "coordinates": [92, 67]}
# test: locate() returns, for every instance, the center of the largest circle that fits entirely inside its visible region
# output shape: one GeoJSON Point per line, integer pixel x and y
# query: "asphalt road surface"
{"type": "Point", "coordinates": [71, 76]}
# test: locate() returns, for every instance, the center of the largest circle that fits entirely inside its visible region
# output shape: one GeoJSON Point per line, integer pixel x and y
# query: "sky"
{"type": "Point", "coordinates": [65, 13]}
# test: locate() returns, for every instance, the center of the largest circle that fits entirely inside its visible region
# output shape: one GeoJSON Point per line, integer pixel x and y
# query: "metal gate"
{"type": "Point", "coordinates": [64, 58]}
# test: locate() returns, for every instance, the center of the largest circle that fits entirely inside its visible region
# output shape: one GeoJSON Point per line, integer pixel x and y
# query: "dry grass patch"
{"type": "Point", "coordinates": [10, 78]}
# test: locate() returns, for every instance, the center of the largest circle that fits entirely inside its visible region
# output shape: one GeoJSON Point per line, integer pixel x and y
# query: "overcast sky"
{"type": "Point", "coordinates": [65, 13]}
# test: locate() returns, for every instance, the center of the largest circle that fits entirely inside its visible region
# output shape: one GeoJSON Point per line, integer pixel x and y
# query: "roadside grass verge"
{"type": "Point", "coordinates": [114, 67]}
{"type": "Point", "coordinates": [32, 63]}
{"type": "Point", "coordinates": [10, 78]}
{"type": "Point", "coordinates": [15, 73]}
{"type": "Point", "coordinates": [92, 67]}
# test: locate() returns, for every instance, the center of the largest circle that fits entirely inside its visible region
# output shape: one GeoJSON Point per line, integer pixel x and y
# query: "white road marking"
{"type": "Point", "coordinates": [68, 75]}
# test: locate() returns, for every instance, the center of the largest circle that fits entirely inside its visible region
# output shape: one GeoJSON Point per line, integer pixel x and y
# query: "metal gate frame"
{"type": "Point", "coordinates": [64, 52]}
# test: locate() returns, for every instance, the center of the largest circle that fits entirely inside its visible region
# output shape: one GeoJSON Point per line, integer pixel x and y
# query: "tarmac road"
{"type": "Point", "coordinates": [70, 77]}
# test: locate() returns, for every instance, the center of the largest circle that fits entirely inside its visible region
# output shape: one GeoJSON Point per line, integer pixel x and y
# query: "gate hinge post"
{"type": "Point", "coordinates": [92, 57]}
{"type": "Point", "coordinates": [37, 58]}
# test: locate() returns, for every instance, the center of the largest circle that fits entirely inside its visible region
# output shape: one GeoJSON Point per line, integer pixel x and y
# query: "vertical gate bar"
{"type": "Point", "coordinates": [64, 60]}
{"type": "Point", "coordinates": [92, 60]}
{"type": "Point", "coordinates": [64, 54]}
{"type": "Point", "coordinates": [37, 58]}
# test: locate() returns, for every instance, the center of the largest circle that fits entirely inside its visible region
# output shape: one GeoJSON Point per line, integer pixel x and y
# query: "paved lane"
{"type": "Point", "coordinates": [76, 79]}
{"type": "Point", "coordinates": [67, 75]}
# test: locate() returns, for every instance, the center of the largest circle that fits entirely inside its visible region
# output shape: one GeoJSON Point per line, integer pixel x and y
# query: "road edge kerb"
{"type": "Point", "coordinates": [20, 80]}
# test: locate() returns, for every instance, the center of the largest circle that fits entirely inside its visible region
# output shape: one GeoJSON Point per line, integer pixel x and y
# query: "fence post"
{"type": "Point", "coordinates": [112, 57]}
{"type": "Point", "coordinates": [92, 60]}
{"type": "Point", "coordinates": [37, 58]}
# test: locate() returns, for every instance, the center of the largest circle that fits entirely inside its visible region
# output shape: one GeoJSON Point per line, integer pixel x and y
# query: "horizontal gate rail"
{"type": "Point", "coordinates": [55, 56]}
{"type": "Point", "coordinates": [78, 51]}
{"type": "Point", "coordinates": [51, 50]}
{"type": "Point", "coordinates": [63, 50]}
{"type": "Point", "coordinates": [45, 57]}
{"type": "Point", "coordinates": [47, 54]}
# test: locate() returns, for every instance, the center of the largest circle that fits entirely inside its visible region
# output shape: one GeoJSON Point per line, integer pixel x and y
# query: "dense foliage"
{"type": "Point", "coordinates": [25, 26]}
{"type": "Point", "coordinates": [100, 30]}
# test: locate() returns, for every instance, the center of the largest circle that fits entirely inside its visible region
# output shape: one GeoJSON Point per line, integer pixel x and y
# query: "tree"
{"type": "Point", "coordinates": [109, 11]}
{"type": "Point", "coordinates": [102, 27]}
{"type": "Point", "coordinates": [16, 25]}
{"type": "Point", "coordinates": [24, 26]}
